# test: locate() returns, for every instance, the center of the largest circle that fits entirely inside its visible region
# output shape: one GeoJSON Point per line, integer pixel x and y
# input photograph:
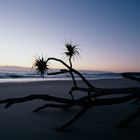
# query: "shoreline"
{"type": "Point", "coordinates": [24, 80]}
{"type": "Point", "coordinates": [101, 82]}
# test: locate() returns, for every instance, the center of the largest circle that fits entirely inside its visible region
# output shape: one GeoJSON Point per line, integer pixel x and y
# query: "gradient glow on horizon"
{"type": "Point", "coordinates": [108, 32]}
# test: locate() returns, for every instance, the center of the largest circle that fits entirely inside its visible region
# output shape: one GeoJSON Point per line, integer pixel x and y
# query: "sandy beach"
{"type": "Point", "coordinates": [19, 122]}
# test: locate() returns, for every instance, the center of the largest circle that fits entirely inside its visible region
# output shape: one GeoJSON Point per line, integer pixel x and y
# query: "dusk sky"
{"type": "Point", "coordinates": [108, 32]}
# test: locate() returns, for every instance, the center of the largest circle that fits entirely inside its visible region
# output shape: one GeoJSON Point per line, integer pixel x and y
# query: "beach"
{"type": "Point", "coordinates": [19, 122]}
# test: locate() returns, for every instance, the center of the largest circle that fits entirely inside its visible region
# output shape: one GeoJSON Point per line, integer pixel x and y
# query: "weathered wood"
{"type": "Point", "coordinates": [11, 101]}
{"type": "Point", "coordinates": [53, 105]}
{"type": "Point", "coordinates": [72, 120]}
{"type": "Point", "coordinates": [73, 70]}
{"type": "Point", "coordinates": [94, 97]}
{"type": "Point", "coordinates": [82, 102]}
{"type": "Point", "coordinates": [129, 119]}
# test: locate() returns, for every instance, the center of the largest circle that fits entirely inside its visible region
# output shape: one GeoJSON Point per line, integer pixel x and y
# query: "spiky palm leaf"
{"type": "Point", "coordinates": [41, 65]}
{"type": "Point", "coordinates": [71, 51]}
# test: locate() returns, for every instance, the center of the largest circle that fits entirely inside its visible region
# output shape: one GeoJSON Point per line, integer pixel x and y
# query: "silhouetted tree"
{"type": "Point", "coordinates": [41, 65]}
{"type": "Point", "coordinates": [95, 96]}
{"type": "Point", "coordinates": [71, 51]}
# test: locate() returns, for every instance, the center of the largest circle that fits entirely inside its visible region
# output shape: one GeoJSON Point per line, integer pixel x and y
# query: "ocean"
{"type": "Point", "coordinates": [23, 76]}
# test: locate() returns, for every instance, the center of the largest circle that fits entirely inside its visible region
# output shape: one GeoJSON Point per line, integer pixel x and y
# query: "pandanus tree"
{"type": "Point", "coordinates": [41, 65]}
{"type": "Point", "coordinates": [71, 51]}
{"type": "Point", "coordinates": [97, 97]}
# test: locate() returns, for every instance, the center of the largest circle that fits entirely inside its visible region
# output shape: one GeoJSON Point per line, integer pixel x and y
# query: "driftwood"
{"type": "Point", "coordinates": [95, 97]}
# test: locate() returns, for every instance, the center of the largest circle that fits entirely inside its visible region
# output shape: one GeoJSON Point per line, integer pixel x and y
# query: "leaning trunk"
{"type": "Point", "coordinates": [70, 62]}
{"type": "Point", "coordinates": [74, 82]}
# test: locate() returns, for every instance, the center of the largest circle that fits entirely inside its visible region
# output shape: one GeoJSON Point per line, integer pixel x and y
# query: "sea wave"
{"type": "Point", "coordinates": [33, 74]}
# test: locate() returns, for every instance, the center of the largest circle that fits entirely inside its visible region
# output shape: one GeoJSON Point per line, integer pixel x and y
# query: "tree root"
{"type": "Point", "coordinates": [129, 119]}
{"type": "Point", "coordinates": [62, 106]}
{"type": "Point", "coordinates": [84, 103]}
{"type": "Point", "coordinates": [72, 120]}
{"type": "Point", "coordinates": [11, 101]}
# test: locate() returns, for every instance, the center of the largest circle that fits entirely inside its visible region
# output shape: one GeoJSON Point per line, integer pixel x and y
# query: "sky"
{"type": "Point", "coordinates": [107, 31]}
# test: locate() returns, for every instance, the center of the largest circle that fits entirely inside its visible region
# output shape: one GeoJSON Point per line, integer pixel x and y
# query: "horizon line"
{"type": "Point", "coordinates": [25, 68]}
